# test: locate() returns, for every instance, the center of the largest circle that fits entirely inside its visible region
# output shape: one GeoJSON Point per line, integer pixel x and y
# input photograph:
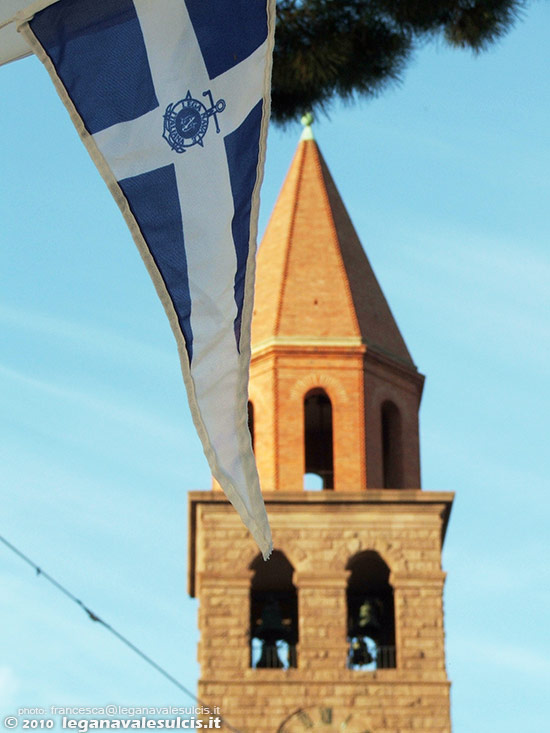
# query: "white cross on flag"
{"type": "Point", "coordinates": [171, 99]}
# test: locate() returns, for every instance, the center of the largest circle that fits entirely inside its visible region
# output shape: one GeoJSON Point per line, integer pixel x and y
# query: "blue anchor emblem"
{"type": "Point", "coordinates": [186, 121]}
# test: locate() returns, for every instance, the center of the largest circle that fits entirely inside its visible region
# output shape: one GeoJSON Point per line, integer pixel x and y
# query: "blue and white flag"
{"type": "Point", "coordinates": [171, 99]}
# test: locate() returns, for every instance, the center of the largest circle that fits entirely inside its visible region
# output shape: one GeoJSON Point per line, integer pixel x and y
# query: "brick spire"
{"type": "Point", "coordinates": [314, 281]}
{"type": "Point", "coordinates": [333, 389]}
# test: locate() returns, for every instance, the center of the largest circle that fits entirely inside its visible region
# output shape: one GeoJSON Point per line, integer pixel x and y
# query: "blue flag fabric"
{"type": "Point", "coordinates": [171, 99]}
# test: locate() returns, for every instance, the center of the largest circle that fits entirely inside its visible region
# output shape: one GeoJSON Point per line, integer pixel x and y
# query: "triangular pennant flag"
{"type": "Point", "coordinates": [171, 99]}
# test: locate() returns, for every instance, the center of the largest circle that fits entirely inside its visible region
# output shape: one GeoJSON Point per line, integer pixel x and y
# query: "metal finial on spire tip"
{"type": "Point", "coordinates": [307, 121]}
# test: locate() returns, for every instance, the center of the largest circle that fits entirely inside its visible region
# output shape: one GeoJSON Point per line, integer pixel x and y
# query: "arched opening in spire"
{"type": "Point", "coordinates": [273, 613]}
{"type": "Point", "coordinates": [250, 411]}
{"type": "Point", "coordinates": [318, 436]}
{"type": "Point", "coordinates": [371, 616]}
{"type": "Point", "coordinates": [392, 446]}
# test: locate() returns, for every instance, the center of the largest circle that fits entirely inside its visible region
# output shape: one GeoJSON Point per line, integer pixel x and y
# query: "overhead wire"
{"type": "Point", "coordinates": [97, 619]}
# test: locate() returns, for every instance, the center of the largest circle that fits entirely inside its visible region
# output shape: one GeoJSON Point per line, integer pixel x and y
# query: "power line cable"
{"type": "Point", "coordinates": [97, 619]}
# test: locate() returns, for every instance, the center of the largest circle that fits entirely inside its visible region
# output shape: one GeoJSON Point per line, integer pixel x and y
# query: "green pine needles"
{"type": "Point", "coordinates": [346, 48]}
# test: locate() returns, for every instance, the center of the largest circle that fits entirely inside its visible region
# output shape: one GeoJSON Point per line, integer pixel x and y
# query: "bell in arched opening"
{"type": "Point", "coordinates": [371, 622]}
{"type": "Point", "coordinates": [273, 614]}
{"type": "Point", "coordinates": [271, 630]}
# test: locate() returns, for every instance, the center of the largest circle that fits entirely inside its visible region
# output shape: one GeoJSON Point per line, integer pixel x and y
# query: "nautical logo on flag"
{"type": "Point", "coordinates": [186, 121]}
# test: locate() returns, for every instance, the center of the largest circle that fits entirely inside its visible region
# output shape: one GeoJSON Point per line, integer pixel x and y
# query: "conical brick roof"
{"type": "Point", "coordinates": [314, 282]}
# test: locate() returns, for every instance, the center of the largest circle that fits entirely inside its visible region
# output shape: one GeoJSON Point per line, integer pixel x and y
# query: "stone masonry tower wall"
{"type": "Point", "coordinates": [343, 629]}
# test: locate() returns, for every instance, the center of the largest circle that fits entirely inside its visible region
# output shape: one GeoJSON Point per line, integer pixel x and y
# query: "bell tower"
{"type": "Point", "coordinates": [342, 629]}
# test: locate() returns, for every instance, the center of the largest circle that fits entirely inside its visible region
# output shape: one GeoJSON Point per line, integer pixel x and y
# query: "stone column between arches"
{"type": "Point", "coordinates": [224, 620]}
{"type": "Point", "coordinates": [419, 631]}
{"type": "Point", "coordinates": [322, 618]}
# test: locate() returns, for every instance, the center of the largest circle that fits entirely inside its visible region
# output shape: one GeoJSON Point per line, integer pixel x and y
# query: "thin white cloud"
{"type": "Point", "coordinates": [513, 569]}
{"type": "Point", "coordinates": [495, 471]}
{"type": "Point", "coordinates": [109, 342]}
{"type": "Point", "coordinates": [521, 659]}
{"type": "Point", "coordinates": [124, 414]}
{"type": "Point", "coordinates": [471, 256]}
{"type": "Point", "coordinates": [486, 292]}
{"type": "Point", "coordinates": [9, 686]}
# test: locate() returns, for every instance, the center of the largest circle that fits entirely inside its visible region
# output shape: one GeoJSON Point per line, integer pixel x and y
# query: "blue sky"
{"type": "Point", "coordinates": [446, 180]}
